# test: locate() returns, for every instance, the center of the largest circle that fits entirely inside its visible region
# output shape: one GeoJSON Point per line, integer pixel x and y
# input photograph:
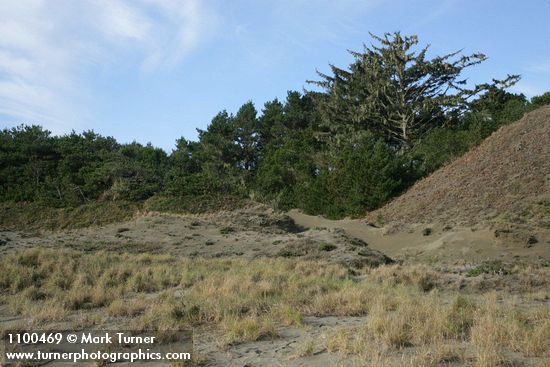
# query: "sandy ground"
{"type": "Point", "coordinates": [284, 350]}
{"type": "Point", "coordinates": [248, 233]}
{"type": "Point", "coordinates": [260, 231]}
{"type": "Point", "coordinates": [444, 244]}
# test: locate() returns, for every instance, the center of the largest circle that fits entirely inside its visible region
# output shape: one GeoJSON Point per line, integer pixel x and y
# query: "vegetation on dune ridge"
{"type": "Point", "coordinates": [503, 181]}
{"type": "Point", "coordinates": [368, 133]}
{"type": "Point", "coordinates": [32, 215]}
{"type": "Point", "coordinates": [242, 301]}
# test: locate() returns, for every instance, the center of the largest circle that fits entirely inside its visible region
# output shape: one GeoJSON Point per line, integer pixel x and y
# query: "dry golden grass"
{"type": "Point", "coordinates": [306, 348]}
{"type": "Point", "coordinates": [435, 355]}
{"type": "Point", "coordinates": [409, 316]}
{"type": "Point", "coordinates": [418, 275]}
{"type": "Point", "coordinates": [500, 326]}
{"type": "Point", "coordinates": [127, 307]}
{"type": "Point", "coordinates": [427, 331]}
{"type": "Point", "coordinates": [251, 328]}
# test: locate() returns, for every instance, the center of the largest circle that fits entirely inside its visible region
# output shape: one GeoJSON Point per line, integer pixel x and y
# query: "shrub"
{"type": "Point", "coordinates": [327, 247]}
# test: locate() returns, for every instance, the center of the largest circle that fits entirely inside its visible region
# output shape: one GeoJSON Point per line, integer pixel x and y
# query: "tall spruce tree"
{"type": "Point", "coordinates": [246, 127]}
{"type": "Point", "coordinates": [395, 91]}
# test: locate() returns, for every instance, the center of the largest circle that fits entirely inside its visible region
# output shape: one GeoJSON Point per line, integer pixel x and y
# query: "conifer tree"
{"type": "Point", "coordinates": [395, 91]}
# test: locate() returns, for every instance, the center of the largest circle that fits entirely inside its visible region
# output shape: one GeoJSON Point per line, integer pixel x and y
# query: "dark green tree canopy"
{"type": "Point", "coordinates": [394, 115]}
{"type": "Point", "coordinates": [395, 91]}
{"type": "Point", "coordinates": [247, 137]}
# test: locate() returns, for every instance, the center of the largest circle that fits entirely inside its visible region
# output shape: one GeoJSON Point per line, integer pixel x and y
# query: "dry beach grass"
{"type": "Point", "coordinates": [408, 315]}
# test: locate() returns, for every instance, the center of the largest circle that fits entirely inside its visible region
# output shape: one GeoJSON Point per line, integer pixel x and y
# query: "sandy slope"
{"type": "Point", "coordinates": [503, 182]}
{"type": "Point", "coordinates": [444, 244]}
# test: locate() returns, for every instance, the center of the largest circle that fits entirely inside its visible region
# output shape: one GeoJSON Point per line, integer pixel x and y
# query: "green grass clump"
{"type": "Point", "coordinates": [327, 247]}
{"type": "Point", "coordinates": [288, 253]}
{"type": "Point", "coordinates": [490, 267]}
{"type": "Point", "coordinates": [227, 230]}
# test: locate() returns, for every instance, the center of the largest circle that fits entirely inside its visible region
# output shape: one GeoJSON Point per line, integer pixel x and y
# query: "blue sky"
{"type": "Point", "coordinates": [155, 70]}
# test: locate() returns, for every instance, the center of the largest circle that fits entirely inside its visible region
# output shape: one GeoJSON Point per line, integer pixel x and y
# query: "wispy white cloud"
{"type": "Point", "coordinates": [443, 8]}
{"type": "Point", "coordinates": [330, 19]}
{"type": "Point", "coordinates": [534, 79]}
{"type": "Point", "coordinates": [541, 67]}
{"type": "Point", "coordinates": [183, 25]}
{"type": "Point", "coordinates": [296, 27]}
{"type": "Point", "coordinates": [46, 48]}
{"type": "Point", "coordinates": [528, 89]}
{"type": "Point", "coordinates": [116, 18]}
